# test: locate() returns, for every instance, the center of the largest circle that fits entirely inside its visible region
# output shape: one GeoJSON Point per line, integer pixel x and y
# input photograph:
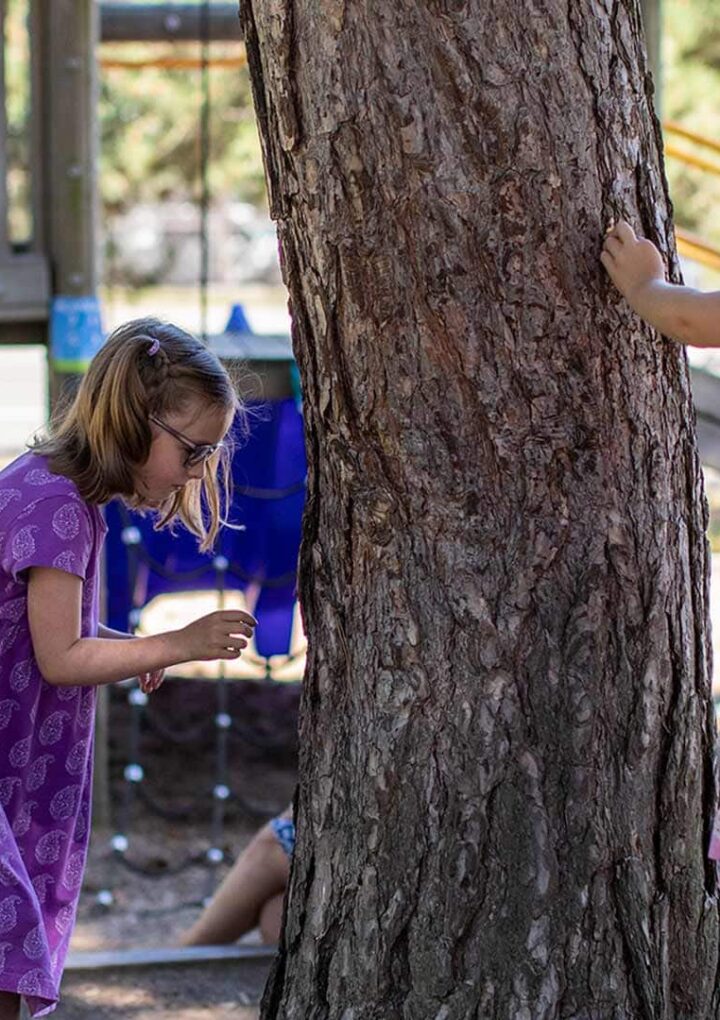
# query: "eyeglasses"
{"type": "Point", "coordinates": [198, 453]}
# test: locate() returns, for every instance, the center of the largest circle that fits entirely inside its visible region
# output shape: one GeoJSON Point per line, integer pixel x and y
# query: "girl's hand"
{"type": "Point", "coordinates": [219, 635]}
{"type": "Point", "coordinates": [149, 682]}
{"type": "Point", "coordinates": [633, 263]}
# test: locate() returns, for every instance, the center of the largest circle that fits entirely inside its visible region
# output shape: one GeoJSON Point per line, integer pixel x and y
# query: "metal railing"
{"type": "Point", "coordinates": [690, 246]}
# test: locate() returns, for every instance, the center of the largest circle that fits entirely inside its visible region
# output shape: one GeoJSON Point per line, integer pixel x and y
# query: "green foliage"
{"type": "Point", "coordinates": [17, 111]}
{"type": "Point", "coordinates": [150, 131]}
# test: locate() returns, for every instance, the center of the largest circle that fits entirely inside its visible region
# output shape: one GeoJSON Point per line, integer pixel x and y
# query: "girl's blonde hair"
{"type": "Point", "coordinates": [146, 367]}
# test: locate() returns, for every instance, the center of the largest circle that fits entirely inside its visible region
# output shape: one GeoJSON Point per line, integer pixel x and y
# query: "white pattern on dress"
{"type": "Point", "coordinates": [23, 543]}
{"type": "Point", "coordinates": [51, 729]}
{"type": "Point", "coordinates": [87, 707]}
{"type": "Point", "coordinates": [67, 561]}
{"type": "Point", "coordinates": [49, 846]}
{"type": "Point", "coordinates": [39, 476]}
{"type": "Point", "coordinates": [65, 803]}
{"type": "Point", "coordinates": [8, 639]}
{"type": "Point", "coordinates": [7, 787]}
{"type": "Point", "coordinates": [20, 675]}
{"type": "Point", "coordinates": [14, 609]}
{"type": "Point", "coordinates": [20, 753]}
{"type": "Point", "coordinates": [67, 693]}
{"type": "Point", "coordinates": [38, 772]}
{"type": "Point", "coordinates": [31, 983]}
{"type": "Point", "coordinates": [64, 919]}
{"type": "Point", "coordinates": [34, 943]}
{"type": "Point", "coordinates": [8, 913]}
{"type": "Point", "coordinates": [4, 946]}
{"type": "Point", "coordinates": [40, 884]}
{"type": "Point", "coordinates": [80, 827]}
{"type": "Point", "coordinates": [7, 496]}
{"type": "Point", "coordinates": [73, 876]}
{"type": "Point", "coordinates": [7, 875]}
{"type": "Point", "coordinates": [66, 521]}
{"type": "Point", "coordinates": [7, 707]}
{"type": "Point", "coordinates": [23, 819]}
{"type": "Point", "coordinates": [77, 756]}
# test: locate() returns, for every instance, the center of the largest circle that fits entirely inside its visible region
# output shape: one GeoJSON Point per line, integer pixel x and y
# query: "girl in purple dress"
{"type": "Point", "coordinates": [148, 425]}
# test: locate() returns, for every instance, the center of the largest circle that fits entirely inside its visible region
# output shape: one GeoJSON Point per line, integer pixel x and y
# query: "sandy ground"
{"type": "Point", "coordinates": [168, 993]}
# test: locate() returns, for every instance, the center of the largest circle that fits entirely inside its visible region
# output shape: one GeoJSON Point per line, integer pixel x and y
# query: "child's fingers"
{"type": "Point", "coordinates": [623, 231]}
{"type": "Point", "coordinates": [612, 246]}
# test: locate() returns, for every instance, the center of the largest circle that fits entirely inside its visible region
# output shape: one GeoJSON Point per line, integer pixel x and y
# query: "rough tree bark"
{"type": "Point", "coordinates": [506, 779]}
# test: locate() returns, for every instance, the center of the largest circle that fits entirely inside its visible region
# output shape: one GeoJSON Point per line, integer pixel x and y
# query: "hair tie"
{"type": "Point", "coordinates": [153, 348]}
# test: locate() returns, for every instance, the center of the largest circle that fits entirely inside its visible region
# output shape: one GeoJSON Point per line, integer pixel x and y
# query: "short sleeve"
{"type": "Point", "coordinates": [54, 531]}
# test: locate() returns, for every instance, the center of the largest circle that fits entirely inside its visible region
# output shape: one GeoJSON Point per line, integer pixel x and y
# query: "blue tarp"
{"type": "Point", "coordinates": [269, 475]}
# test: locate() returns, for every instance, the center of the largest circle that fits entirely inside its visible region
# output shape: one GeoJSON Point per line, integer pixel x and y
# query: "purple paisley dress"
{"type": "Point", "coordinates": [46, 734]}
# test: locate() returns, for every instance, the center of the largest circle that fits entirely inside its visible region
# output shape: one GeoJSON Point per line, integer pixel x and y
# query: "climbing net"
{"type": "Point", "coordinates": [219, 729]}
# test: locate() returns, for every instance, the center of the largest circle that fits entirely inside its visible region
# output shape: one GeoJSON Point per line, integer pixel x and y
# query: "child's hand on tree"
{"type": "Point", "coordinates": [633, 263]}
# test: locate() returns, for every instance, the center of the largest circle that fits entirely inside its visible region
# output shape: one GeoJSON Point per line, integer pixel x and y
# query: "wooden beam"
{"type": "Point", "coordinates": [168, 956]}
{"type": "Point", "coordinates": [166, 22]}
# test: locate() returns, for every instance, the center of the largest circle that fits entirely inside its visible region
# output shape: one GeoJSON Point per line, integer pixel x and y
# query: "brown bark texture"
{"type": "Point", "coordinates": [506, 768]}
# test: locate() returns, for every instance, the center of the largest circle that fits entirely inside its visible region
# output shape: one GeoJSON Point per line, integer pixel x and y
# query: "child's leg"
{"type": "Point", "coordinates": [259, 874]}
{"type": "Point", "coordinates": [270, 923]}
{"type": "Point", "coordinates": [9, 1006]}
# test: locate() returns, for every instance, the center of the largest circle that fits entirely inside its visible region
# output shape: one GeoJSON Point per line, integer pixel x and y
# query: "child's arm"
{"type": "Point", "coordinates": [66, 658]}
{"type": "Point", "coordinates": [149, 681]}
{"type": "Point", "coordinates": [636, 268]}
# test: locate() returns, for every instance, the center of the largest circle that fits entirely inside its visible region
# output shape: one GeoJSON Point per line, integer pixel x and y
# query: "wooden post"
{"type": "Point", "coordinates": [69, 39]}
{"type": "Point", "coordinates": [69, 32]}
{"type": "Point", "coordinates": [69, 35]}
{"type": "Point", "coordinates": [3, 159]}
{"type": "Point", "coordinates": [652, 21]}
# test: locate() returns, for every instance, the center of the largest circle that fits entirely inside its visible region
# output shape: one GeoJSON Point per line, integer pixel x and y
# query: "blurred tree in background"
{"type": "Point", "coordinates": [691, 96]}
{"type": "Point", "coordinates": [149, 125]}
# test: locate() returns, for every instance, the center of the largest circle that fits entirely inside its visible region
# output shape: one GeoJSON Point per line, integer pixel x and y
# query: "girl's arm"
{"type": "Point", "coordinates": [636, 268]}
{"type": "Point", "coordinates": [66, 658]}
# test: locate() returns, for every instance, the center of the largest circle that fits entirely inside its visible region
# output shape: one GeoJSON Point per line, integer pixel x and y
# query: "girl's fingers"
{"type": "Point", "coordinates": [612, 244]}
{"type": "Point", "coordinates": [607, 260]}
{"type": "Point", "coordinates": [238, 616]}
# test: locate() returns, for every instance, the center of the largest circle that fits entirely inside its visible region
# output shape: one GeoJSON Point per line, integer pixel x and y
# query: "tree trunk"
{"type": "Point", "coordinates": [506, 780]}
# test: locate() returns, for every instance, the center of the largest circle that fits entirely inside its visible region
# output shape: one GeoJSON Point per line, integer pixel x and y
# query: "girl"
{"type": "Point", "coordinates": [637, 270]}
{"type": "Point", "coordinates": [148, 425]}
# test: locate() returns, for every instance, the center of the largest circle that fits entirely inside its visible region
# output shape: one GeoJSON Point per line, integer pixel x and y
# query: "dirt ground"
{"type": "Point", "coordinates": [169, 993]}
{"type": "Point", "coordinates": [150, 902]}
